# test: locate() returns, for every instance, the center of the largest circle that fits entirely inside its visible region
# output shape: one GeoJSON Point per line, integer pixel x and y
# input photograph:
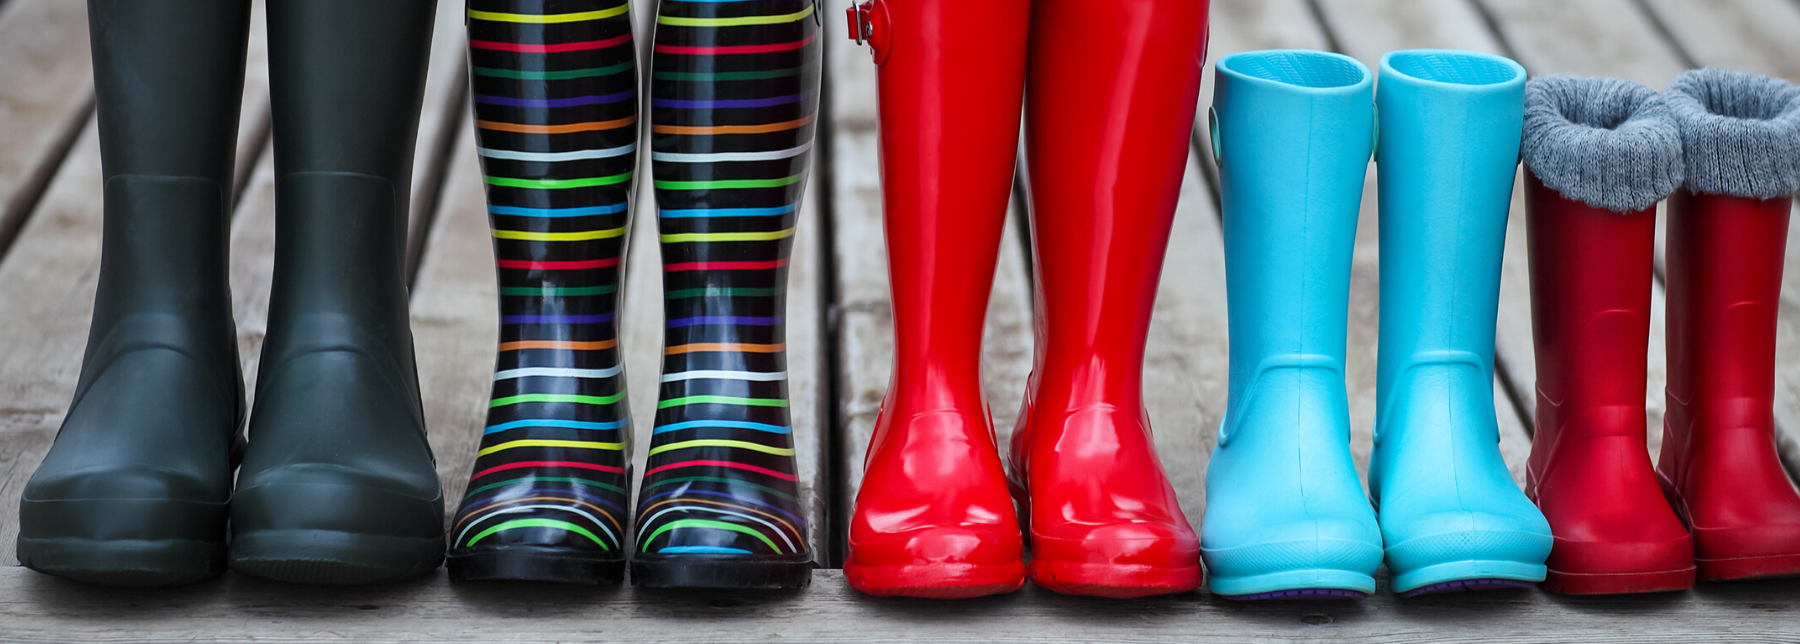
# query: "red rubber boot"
{"type": "Point", "coordinates": [933, 518]}
{"type": "Point", "coordinates": [1589, 470]}
{"type": "Point", "coordinates": [1109, 108]}
{"type": "Point", "coordinates": [1718, 461]}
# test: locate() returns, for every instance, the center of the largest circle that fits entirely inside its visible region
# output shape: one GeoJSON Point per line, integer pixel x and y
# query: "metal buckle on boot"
{"type": "Point", "coordinates": [860, 29]}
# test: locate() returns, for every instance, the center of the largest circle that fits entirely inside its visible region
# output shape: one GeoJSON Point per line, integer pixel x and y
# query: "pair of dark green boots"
{"type": "Point", "coordinates": [336, 483]}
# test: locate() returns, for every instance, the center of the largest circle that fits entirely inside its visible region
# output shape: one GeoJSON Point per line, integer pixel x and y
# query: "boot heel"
{"type": "Point", "coordinates": [534, 563]}
{"type": "Point", "coordinates": [721, 571]}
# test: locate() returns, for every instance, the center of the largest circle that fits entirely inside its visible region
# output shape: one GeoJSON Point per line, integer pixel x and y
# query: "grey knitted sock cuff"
{"type": "Point", "coordinates": [1606, 142]}
{"type": "Point", "coordinates": [1740, 132]}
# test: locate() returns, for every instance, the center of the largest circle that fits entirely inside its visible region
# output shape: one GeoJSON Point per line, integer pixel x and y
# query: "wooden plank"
{"type": "Point", "coordinates": [864, 315]}
{"type": "Point", "coordinates": [1754, 36]}
{"type": "Point", "coordinates": [45, 68]}
{"type": "Point", "coordinates": [39, 608]}
{"type": "Point", "coordinates": [1367, 29]}
{"type": "Point", "coordinates": [1586, 37]}
{"type": "Point", "coordinates": [456, 320]}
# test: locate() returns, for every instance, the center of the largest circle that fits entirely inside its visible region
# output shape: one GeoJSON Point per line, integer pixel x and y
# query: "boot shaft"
{"type": "Point", "coordinates": [952, 82]}
{"type": "Point", "coordinates": [1293, 131]}
{"type": "Point", "coordinates": [1450, 124]}
{"type": "Point", "coordinates": [1106, 161]}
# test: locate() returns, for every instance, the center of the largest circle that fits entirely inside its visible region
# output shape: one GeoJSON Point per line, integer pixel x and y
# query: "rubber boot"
{"type": "Point", "coordinates": [1106, 162]}
{"type": "Point", "coordinates": [555, 96]}
{"type": "Point", "coordinates": [1451, 516]}
{"type": "Point", "coordinates": [134, 491]}
{"type": "Point", "coordinates": [338, 485]}
{"type": "Point", "coordinates": [1600, 153]}
{"type": "Point", "coordinates": [1285, 514]}
{"type": "Point", "coordinates": [933, 516]}
{"type": "Point", "coordinates": [734, 95]}
{"type": "Point", "coordinates": [1727, 238]}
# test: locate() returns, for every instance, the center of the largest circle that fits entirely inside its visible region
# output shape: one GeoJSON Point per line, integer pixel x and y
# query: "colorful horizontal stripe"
{"type": "Point", "coordinates": [734, 320]}
{"type": "Point", "coordinates": [519, 444]}
{"type": "Point", "coordinates": [554, 422]}
{"type": "Point", "coordinates": [557, 398]}
{"type": "Point", "coordinates": [704, 523]}
{"type": "Point", "coordinates": [717, 291]}
{"type": "Point", "coordinates": [743, 21]}
{"type": "Point", "coordinates": [730, 184]}
{"type": "Point", "coordinates": [564, 128]}
{"type": "Point", "coordinates": [557, 291]}
{"type": "Point", "coordinates": [580, 235]}
{"type": "Point", "coordinates": [714, 104]}
{"type": "Point", "coordinates": [539, 523]}
{"type": "Point", "coordinates": [684, 213]}
{"type": "Point", "coordinates": [682, 238]}
{"type": "Point", "coordinates": [724, 424]}
{"type": "Point", "coordinates": [577, 465]}
{"type": "Point", "coordinates": [553, 48]}
{"type": "Point", "coordinates": [572, 101]}
{"type": "Point", "coordinates": [714, 77]}
{"type": "Point", "coordinates": [694, 444]}
{"type": "Point", "coordinates": [708, 130]}
{"type": "Point", "coordinates": [549, 19]}
{"type": "Point", "coordinates": [571, 265]}
{"type": "Point", "coordinates": [724, 157]}
{"type": "Point", "coordinates": [725, 464]}
{"type": "Point", "coordinates": [583, 211]}
{"type": "Point", "coordinates": [721, 400]}
{"type": "Point", "coordinates": [557, 372]}
{"type": "Point", "coordinates": [714, 374]}
{"type": "Point", "coordinates": [724, 347]}
{"type": "Point", "coordinates": [559, 184]}
{"type": "Point", "coordinates": [734, 50]}
{"type": "Point", "coordinates": [565, 74]}
{"type": "Point", "coordinates": [556, 157]}
{"type": "Point", "coordinates": [725, 266]}
{"type": "Point", "coordinates": [564, 345]}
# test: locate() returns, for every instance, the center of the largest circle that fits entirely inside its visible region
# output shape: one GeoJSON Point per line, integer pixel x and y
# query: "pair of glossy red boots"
{"type": "Point", "coordinates": [1717, 504]}
{"type": "Point", "coordinates": [1108, 110]}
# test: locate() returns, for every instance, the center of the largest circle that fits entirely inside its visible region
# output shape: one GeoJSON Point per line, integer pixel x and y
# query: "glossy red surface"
{"type": "Point", "coordinates": [1718, 460]}
{"type": "Point", "coordinates": [1110, 104]}
{"type": "Point", "coordinates": [1590, 472]}
{"type": "Point", "coordinates": [933, 517]}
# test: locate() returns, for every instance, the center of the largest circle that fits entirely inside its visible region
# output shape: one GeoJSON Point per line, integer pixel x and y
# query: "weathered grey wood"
{"type": "Point", "coordinates": [440, 126]}
{"type": "Point", "coordinates": [864, 314]}
{"type": "Point", "coordinates": [1755, 36]}
{"type": "Point", "coordinates": [1187, 366]}
{"type": "Point", "coordinates": [48, 91]}
{"type": "Point", "coordinates": [456, 320]}
{"type": "Point", "coordinates": [1367, 29]}
{"type": "Point", "coordinates": [38, 608]}
{"type": "Point", "coordinates": [1587, 37]}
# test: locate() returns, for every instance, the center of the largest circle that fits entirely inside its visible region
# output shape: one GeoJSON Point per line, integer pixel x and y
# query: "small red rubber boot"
{"type": "Point", "coordinates": [1109, 109]}
{"type": "Point", "coordinates": [1727, 237]}
{"type": "Point", "coordinates": [1718, 461]}
{"type": "Point", "coordinates": [1590, 469]}
{"type": "Point", "coordinates": [933, 517]}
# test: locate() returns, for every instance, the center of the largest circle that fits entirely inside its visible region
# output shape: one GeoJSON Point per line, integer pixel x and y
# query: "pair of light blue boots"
{"type": "Point", "coordinates": [1285, 514]}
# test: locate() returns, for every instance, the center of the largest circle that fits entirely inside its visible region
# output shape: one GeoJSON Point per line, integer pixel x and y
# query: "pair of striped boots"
{"type": "Point", "coordinates": [734, 90]}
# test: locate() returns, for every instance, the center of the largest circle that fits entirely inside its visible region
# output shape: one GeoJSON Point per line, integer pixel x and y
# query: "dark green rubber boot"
{"type": "Point", "coordinates": [338, 485]}
{"type": "Point", "coordinates": [135, 489]}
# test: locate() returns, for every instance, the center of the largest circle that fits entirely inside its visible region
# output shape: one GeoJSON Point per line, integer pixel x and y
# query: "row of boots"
{"type": "Point", "coordinates": [1085, 507]}
{"type": "Point", "coordinates": [336, 482]}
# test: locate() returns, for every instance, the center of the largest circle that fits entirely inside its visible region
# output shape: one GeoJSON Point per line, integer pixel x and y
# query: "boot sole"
{"type": "Point", "coordinates": [1118, 581]}
{"type": "Point", "coordinates": [332, 557]}
{"type": "Point", "coordinates": [721, 571]}
{"type": "Point", "coordinates": [1748, 567]}
{"type": "Point", "coordinates": [535, 563]}
{"type": "Point", "coordinates": [124, 562]}
{"type": "Point", "coordinates": [936, 581]}
{"type": "Point", "coordinates": [1471, 575]}
{"type": "Point", "coordinates": [1577, 583]}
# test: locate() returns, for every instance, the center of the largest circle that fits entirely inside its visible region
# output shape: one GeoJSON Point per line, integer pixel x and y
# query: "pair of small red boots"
{"type": "Point", "coordinates": [1600, 153]}
{"type": "Point", "coordinates": [1108, 110]}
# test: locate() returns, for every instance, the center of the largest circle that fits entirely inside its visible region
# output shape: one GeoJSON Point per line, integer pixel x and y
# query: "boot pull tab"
{"type": "Point", "coordinates": [869, 24]}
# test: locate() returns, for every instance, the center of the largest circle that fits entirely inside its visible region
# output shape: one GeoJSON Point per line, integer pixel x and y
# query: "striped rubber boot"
{"type": "Point", "coordinates": [556, 119]}
{"type": "Point", "coordinates": [733, 98]}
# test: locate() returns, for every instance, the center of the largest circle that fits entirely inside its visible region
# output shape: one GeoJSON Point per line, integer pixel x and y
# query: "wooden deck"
{"type": "Point", "coordinates": [840, 344]}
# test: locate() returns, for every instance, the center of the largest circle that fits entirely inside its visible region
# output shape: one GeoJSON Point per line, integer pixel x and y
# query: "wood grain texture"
{"type": "Point", "coordinates": [46, 92]}
{"type": "Point", "coordinates": [1586, 37]}
{"type": "Point", "coordinates": [38, 608]}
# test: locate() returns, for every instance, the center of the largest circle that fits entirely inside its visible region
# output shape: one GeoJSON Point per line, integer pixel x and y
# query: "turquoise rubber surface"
{"type": "Point", "coordinates": [1284, 507]}
{"type": "Point", "coordinates": [1450, 125]}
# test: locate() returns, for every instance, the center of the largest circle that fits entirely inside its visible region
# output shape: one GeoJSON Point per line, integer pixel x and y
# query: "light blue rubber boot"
{"type": "Point", "coordinates": [1451, 515]}
{"type": "Point", "coordinates": [1285, 513]}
